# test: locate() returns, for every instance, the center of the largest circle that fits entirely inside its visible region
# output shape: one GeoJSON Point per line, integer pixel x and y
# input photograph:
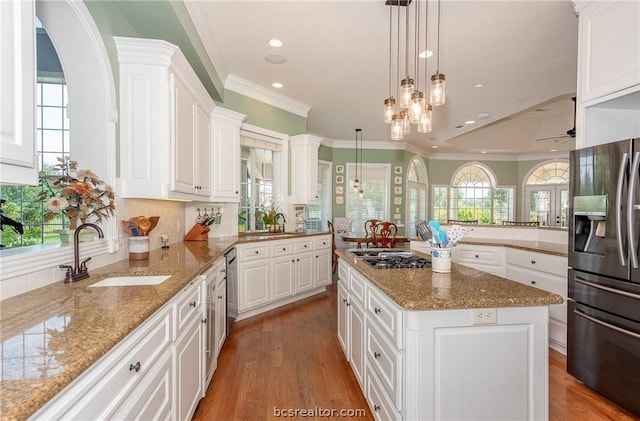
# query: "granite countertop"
{"type": "Point", "coordinates": [51, 335]}
{"type": "Point", "coordinates": [464, 287]}
{"type": "Point", "coordinates": [267, 236]}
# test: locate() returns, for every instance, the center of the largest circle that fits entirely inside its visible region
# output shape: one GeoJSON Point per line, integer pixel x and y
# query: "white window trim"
{"type": "Point", "coordinates": [408, 183]}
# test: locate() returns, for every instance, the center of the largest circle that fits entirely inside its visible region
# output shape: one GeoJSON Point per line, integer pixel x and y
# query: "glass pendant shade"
{"type": "Point", "coordinates": [406, 122]}
{"type": "Point", "coordinates": [361, 193]}
{"type": "Point", "coordinates": [416, 108]}
{"type": "Point", "coordinates": [396, 127]}
{"type": "Point", "coordinates": [356, 184]}
{"type": "Point", "coordinates": [389, 109]}
{"type": "Point", "coordinates": [424, 125]}
{"type": "Point", "coordinates": [437, 90]}
{"type": "Point", "coordinates": [406, 89]}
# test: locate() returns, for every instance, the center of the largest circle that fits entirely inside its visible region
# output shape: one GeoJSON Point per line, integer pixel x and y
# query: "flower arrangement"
{"type": "Point", "coordinates": [76, 193]}
{"type": "Point", "coordinates": [270, 216]}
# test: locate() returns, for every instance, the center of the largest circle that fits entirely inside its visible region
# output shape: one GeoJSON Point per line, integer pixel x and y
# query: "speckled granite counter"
{"type": "Point", "coordinates": [51, 335]}
{"type": "Point", "coordinates": [464, 287]}
{"type": "Point", "coordinates": [251, 238]}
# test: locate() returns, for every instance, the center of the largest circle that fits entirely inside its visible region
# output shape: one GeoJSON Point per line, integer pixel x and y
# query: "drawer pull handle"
{"type": "Point", "coordinates": [376, 310]}
{"type": "Point", "coordinates": [305, 246]}
{"type": "Point", "coordinates": [204, 321]}
{"type": "Point", "coordinates": [257, 252]}
{"type": "Point", "coordinates": [376, 355]}
{"type": "Point", "coordinates": [193, 304]}
{"type": "Point", "coordinates": [376, 408]}
{"type": "Point", "coordinates": [135, 367]}
{"type": "Point", "coordinates": [477, 256]}
{"type": "Point", "coordinates": [219, 297]}
{"type": "Point", "coordinates": [533, 262]}
{"type": "Point", "coordinates": [284, 249]}
{"type": "Point", "coordinates": [533, 282]}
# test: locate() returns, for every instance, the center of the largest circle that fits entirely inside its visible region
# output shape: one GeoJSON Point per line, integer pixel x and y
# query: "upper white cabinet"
{"type": "Point", "coordinates": [608, 106]}
{"type": "Point", "coordinates": [165, 123]}
{"type": "Point", "coordinates": [226, 155]}
{"type": "Point", "coordinates": [18, 82]}
{"type": "Point", "coordinates": [304, 168]}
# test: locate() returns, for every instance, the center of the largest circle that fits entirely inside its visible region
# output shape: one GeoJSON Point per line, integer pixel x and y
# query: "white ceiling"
{"type": "Point", "coordinates": [337, 54]}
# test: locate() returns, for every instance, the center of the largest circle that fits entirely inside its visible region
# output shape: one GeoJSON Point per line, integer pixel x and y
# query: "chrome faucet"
{"type": "Point", "coordinates": [79, 270]}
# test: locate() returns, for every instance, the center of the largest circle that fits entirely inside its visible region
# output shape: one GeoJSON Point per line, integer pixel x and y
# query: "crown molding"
{"type": "Point", "coordinates": [244, 87]}
{"type": "Point", "coordinates": [497, 157]}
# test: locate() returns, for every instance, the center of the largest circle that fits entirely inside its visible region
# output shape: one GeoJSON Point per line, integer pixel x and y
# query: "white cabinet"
{"type": "Point", "coordinates": [18, 82]}
{"type": "Point", "coordinates": [165, 123]}
{"type": "Point", "coordinates": [546, 272]}
{"type": "Point", "coordinates": [486, 258]}
{"type": "Point", "coordinates": [226, 155]}
{"type": "Point", "coordinates": [278, 272]}
{"type": "Point", "coordinates": [304, 168]}
{"type": "Point", "coordinates": [609, 47]}
{"type": "Point", "coordinates": [221, 314]}
{"type": "Point", "coordinates": [608, 107]}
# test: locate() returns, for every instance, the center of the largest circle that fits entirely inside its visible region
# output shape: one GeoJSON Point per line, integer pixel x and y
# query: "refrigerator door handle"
{"type": "Point", "coordinates": [633, 180]}
{"type": "Point", "coordinates": [605, 324]}
{"type": "Point", "coordinates": [621, 176]}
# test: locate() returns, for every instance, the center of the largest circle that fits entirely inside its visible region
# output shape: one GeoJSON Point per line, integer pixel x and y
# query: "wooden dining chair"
{"type": "Point", "coordinates": [334, 255]}
{"type": "Point", "coordinates": [385, 234]}
{"type": "Point", "coordinates": [370, 226]}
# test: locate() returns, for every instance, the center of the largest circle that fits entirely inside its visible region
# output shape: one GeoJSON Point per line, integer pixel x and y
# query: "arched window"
{"type": "Point", "coordinates": [417, 188]}
{"type": "Point", "coordinates": [547, 194]}
{"type": "Point", "coordinates": [473, 196]}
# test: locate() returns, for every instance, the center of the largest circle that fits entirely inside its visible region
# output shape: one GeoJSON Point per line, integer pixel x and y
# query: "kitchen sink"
{"type": "Point", "coordinates": [131, 281]}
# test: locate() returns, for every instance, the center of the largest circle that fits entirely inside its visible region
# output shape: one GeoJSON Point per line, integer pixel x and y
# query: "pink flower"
{"type": "Point", "coordinates": [57, 204]}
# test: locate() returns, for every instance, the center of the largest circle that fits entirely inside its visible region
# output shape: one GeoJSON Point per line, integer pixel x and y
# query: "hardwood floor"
{"type": "Point", "coordinates": [290, 358]}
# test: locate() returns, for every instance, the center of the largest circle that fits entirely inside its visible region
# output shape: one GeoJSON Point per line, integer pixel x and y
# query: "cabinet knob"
{"type": "Point", "coordinates": [204, 321]}
{"type": "Point", "coordinates": [533, 262]}
{"type": "Point", "coordinates": [344, 300]}
{"type": "Point", "coordinates": [376, 310]}
{"type": "Point", "coordinates": [376, 355]}
{"type": "Point", "coordinates": [193, 304]}
{"type": "Point", "coordinates": [236, 192]}
{"type": "Point", "coordinates": [348, 303]}
{"type": "Point", "coordinates": [376, 408]}
{"type": "Point", "coordinates": [293, 261]}
{"type": "Point", "coordinates": [297, 260]}
{"type": "Point", "coordinates": [257, 252]}
{"type": "Point", "coordinates": [134, 367]}
{"type": "Point", "coordinates": [284, 249]}
{"type": "Point", "coordinates": [533, 282]}
{"type": "Point", "coordinates": [477, 256]}
{"type": "Point", "coordinates": [305, 246]}
{"type": "Point", "coordinates": [219, 297]}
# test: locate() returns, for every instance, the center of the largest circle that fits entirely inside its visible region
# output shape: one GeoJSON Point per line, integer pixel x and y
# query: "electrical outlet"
{"type": "Point", "coordinates": [484, 316]}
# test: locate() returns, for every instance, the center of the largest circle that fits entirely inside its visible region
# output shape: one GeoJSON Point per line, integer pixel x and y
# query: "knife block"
{"type": "Point", "coordinates": [197, 233]}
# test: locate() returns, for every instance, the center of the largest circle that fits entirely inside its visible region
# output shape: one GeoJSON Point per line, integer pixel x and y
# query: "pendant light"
{"type": "Point", "coordinates": [425, 123]}
{"type": "Point", "coordinates": [361, 190]}
{"type": "Point", "coordinates": [390, 102]}
{"type": "Point", "coordinates": [438, 96]}
{"type": "Point", "coordinates": [356, 181]}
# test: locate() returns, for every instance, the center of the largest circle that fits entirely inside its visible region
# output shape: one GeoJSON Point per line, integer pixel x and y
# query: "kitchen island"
{"type": "Point", "coordinates": [464, 345]}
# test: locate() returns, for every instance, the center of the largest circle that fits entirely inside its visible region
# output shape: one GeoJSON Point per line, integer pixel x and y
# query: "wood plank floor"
{"type": "Point", "coordinates": [290, 358]}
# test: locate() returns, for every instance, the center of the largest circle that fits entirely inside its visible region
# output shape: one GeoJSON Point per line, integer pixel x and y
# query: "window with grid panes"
{"type": "Point", "coordinates": [374, 203]}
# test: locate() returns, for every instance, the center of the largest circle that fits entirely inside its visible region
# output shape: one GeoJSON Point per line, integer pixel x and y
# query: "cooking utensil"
{"type": "Point", "coordinates": [424, 231]}
{"type": "Point", "coordinates": [134, 228]}
{"type": "Point", "coordinates": [144, 225]}
{"type": "Point", "coordinates": [126, 228]}
{"type": "Point", "coordinates": [154, 221]}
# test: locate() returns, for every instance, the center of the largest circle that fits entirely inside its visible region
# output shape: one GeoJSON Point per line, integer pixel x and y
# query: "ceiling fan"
{"type": "Point", "coordinates": [563, 138]}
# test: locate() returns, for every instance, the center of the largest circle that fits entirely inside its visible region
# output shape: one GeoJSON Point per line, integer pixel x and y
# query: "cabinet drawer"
{"type": "Point", "coordinates": [323, 243]}
{"type": "Point", "coordinates": [303, 245]}
{"type": "Point", "coordinates": [556, 265]}
{"type": "Point", "coordinates": [481, 255]}
{"type": "Point", "coordinates": [343, 273]}
{"type": "Point", "coordinates": [281, 248]}
{"type": "Point", "coordinates": [357, 287]}
{"type": "Point", "coordinates": [386, 362]}
{"type": "Point", "coordinates": [253, 252]}
{"type": "Point", "coordinates": [378, 399]}
{"type": "Point", "coordinates": [388, 317]}
{"type": "Point", "coordinates": [188, 305]}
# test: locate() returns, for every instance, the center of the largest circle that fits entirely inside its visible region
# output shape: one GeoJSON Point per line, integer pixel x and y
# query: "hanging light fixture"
{"type": "Point", "coordinates": [356, 181]}
{"type": "Point", "coordinates": [414, 106]}
{"type": "Point", "coordinates": [437, 80]}
{"type": "Point", "coordinates": [361, 190]}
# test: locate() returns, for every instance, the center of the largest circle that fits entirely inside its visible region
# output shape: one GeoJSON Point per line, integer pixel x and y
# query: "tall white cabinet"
{"type": "Point", "coordinates": [226, 155]}
{"type": "Point", "coordinates": [304, 168]}
{"type": "Point", "coordinates": [165, 123]}
{"type": "Point", "coordinates": [608, 107]}
{"type": "Point", "coordinates": [18, 82]}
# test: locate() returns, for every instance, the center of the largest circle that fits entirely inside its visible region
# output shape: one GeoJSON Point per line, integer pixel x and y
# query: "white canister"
{"type": "Point", "coordinates": [441, 260]}
{"type": "Point", "coordinates": [139, 248]}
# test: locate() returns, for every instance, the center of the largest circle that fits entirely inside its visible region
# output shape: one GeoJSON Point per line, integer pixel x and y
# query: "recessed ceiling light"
{"type": "Point", "coordinates": [554, 150]}
{"type": "Point", "coordinates": [478, 85]}
{"type": "Point", "coordinates": [483, 152]}
{"type": "Point", "coordinates": [425, 54]}
{"type": "Point", "coordinates": [275, 43]}
{"type": "Point", "coordinates": [521, 99]}
{"type": "Point", "coordinates": [483, 116]}
{"type": "Point", "coordinates": [275, 59]}
{"type": "Point", "coordinates": [434, 147]}
{"type": "Point", "coordinates": [277, 85]}
{"type": "Point", "coordinates": [469, 122]}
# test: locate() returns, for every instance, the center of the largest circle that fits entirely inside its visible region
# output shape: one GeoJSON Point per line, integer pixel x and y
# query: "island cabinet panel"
{"type": "Point", "coordinates": [379, 402]}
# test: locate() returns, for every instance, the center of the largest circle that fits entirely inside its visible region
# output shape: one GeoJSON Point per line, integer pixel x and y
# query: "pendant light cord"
{"type": "Point", "coordinates": [406, 40]}
{"type": "Point", "coordinates": [390, 36]}
{"type": "Point", "coordinates": [438, 60]}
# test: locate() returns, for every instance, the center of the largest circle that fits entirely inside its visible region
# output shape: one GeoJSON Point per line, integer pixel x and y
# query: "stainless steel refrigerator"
{"type": "Point", "coordinates": [603, 320]}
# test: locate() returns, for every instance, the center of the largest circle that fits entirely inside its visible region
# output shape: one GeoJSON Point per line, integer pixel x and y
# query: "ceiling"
{"type": "Point", "coordinates": [337, 59]}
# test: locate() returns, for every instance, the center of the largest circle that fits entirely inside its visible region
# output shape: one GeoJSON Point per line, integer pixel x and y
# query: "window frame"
{"type": "Point", "coordinates": [349, 191]}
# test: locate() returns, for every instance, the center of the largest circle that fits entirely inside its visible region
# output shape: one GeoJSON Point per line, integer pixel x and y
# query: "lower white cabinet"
{"type": "Point", "coordinates": [351, 325]}
{"type": "Point", "coordinates": [278, 272]}
{"type": "Point", "coordinates": [221, 314]}
{"type": "Point", "coordinates": [156, 372]}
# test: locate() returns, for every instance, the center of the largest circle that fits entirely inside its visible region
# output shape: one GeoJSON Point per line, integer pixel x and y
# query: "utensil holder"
{"type": "Point", "coordinates": [138, 248]}
{"type": "Point", "coordinates": [441, 260]}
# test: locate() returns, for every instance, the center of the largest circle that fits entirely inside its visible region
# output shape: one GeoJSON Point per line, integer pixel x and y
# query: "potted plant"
{"type": "Point", "coordinates": [242, 220]}
{"type": "Point", "coordinates": [271, 217]}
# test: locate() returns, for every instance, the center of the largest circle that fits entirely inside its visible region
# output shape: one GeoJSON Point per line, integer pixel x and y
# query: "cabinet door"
{"type": "Point", "coordinates": [253, 284]}
{"type": "Point", "coordinates": [18, 82]}
{"type": "Point", "coordinates": [323, 267]}
{"type": "Point", "coordinates": [304, 272]}
{"type": "Point", "coordinates": [343, 314]}
{"type": "Point", "coordinates": [184, 151]}
{"type": "Point", "coordinates": [189, 369]}
{"type": "Point", "coordinates": [282, 276]}
{"type": "Point", "coordinates": [203, 154]}
{"type": "Point", "coordinates": [221, 317]}
{"type": "Point", "coordinates": [356, 341]}
{"type": "Point", "coordinates": [226, 155]}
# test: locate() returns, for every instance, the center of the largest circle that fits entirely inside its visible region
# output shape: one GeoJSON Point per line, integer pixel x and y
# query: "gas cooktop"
{"type": "Point", "coordinates": [391, 260]}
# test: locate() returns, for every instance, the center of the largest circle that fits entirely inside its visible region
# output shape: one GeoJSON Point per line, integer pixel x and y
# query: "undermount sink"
{"type": "Point", "coordinates": [131, 281]}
